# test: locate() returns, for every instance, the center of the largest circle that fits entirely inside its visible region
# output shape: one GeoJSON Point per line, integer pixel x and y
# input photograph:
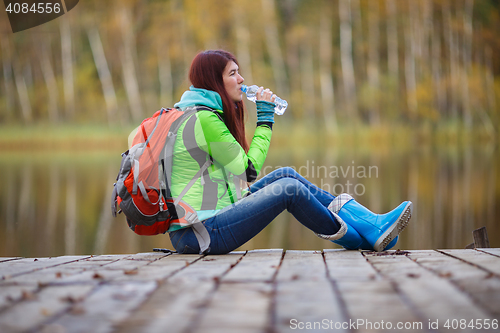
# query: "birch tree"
{"type": "Point", "coordinates": [22, 91]}
{"type": "Point", "coordinates": [273, 46]}
{"type": "Point", "coordinates": [104, 73]}
{"type": "Point", "coordinates": [50, 81]}
{"type": "Point", "coordinates": [242, 36]}
{"type": "Point", "coordinates": [392, 39]}
{"type": "Point", "coordinates": [128, 66]}
{"type": "Point", "coordinates": [436, 67]}
{"type": "Point", "coordinates": [450, 41]}
{"type": "Point", "coordinates": [466, 59]}
{"type": "Point", "coordinates": [373, 65]}
{"type": "Point", "coordinates": [307, 76]}
{"type": "Point", "coordinates": [410, 77]}
{"type": "Point", "coordinates": [7, 77]}
{"type": "Point", "coordinates": [165, 76]}
{"type": "Point", "coordinates": [325, 72]}
{"type": "Point", "coordinates": [67, 68]}
{"type": "Point", "coordinates": [346, 57]}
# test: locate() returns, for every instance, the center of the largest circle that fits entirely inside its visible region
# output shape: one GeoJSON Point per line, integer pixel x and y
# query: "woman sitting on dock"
{"type": "Point", "coordinates": [232, 216]}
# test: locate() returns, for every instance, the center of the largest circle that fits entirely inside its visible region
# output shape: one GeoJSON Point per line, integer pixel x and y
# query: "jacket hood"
{"type": "Point", "coordinates": [197, 96]}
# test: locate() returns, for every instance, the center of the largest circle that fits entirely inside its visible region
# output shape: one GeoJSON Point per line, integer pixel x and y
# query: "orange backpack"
{"type": "Point", "coordinates": [142, 188]}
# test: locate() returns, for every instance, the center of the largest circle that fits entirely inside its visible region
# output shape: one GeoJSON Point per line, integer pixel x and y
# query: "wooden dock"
{"type": "Point", "coordinates": [254, 291]}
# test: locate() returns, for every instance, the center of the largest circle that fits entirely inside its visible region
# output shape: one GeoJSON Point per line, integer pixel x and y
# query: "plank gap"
{"type": "Point", "coordinates": [404, 298]}
{"type": "Point", "coordinates": [471, 263]}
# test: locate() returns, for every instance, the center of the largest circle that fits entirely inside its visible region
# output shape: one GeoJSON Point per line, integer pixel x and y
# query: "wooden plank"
{"type": "Point", "coordinates": [243, 299]}
{"type": "Point", "coordinates": [180, 298]}
{"type": "Point", "coordinates": [484, 260]}
{"type": "Point", "coordinates": [256, 265]}
{"type": "Point", "coordinates": [304, 295]}
{"type": "Point", "coordinates": [481, 286]}
{"type": "Point", "coordinates": [301, 266]}
{"type": "Point", "coordinates": [495, 251]}
{"type": "Point", "coordinates": [28, 265]}
{"type": "Point", "coordinates": [122, 270]}
{"type": "Point", "coordinates": [33, 311]}
{"type": "Point", "coordinates": [125, 286]}
{"type": "Point", "coordinates": [238, 307]}
{"type": "Point", "coordinates": [160, 269]}
{"type": "Point", "coordinates": [434, 297]}
{"type": "Point", "coordinates": [84, 270]}
{"type": "Point", "coordinates": [5, 259]}
{"type": "Point", "coordinates": [10, 294]}
{"type": "Point", "coordinates": [104, 307]}
{"type": "Point", "coordinates": [107, 257]}
{"type": "Point", "coordinates": [369, 298]}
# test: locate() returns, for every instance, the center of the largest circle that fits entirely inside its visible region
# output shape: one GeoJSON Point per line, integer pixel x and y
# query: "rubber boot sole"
{"type": "Point", "coordinates": [395, 229]}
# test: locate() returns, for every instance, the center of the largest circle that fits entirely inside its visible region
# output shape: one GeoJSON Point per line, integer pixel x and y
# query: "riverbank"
{"type": "Point", "coordinates": [293, 134]}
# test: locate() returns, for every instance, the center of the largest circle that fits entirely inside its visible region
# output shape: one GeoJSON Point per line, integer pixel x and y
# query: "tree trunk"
{"type": "Point", "coordinates": [50, 81]}
{"type": "Point", "coordinates": [104, 74]}
{"type": "Point", "coordinates": [490, 93]}
{"type": "Point", "coordinates": [440, 100]}
{"type": "Point", "coordinates": [242, 43]}
{"type": "Point", "coordinates": [358, 41]}
{"type": "Point", "coordinates": [325, 70]}
{"type": "Point", "coordinates": [449, 38]}
{"type": "Point", "coordinates": [7, 77]}
{"type": "Point", "coordinates": [22, 91]}
{"type": "Point", "coordinates": [466, 56]}
{"type": "Point", "coordinates": [67, 68]}
{"type": "Point", "coordinates": [293, 62]}
{"type": "Point", "coordinates": [165, 77]}
{"type": "Point", "coordinates": [346, 58]}
{"type": "Point", "coordinates": [373, 64]}
{"type": "Point", "coordinates": [307, 77]}
{"type": "Point", "coordinates": [128, 66]}
{"type": "Point", "coordinates": [392, 40]}
{"type": "Point", "coordinates": [490, 79]}
{"type": "Point", "coordinates": [425, 25]}
{"type": "Point", "coordinates": [273, 47]}
{"type": "Point", "coordinates": [411, 82]}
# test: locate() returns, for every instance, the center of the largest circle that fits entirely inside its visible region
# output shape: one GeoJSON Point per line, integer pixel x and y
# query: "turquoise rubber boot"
{"type": "Point", "coordinates": [353, 241]}
{"type": "Point", "coordinates": [348, 237]}
{"type": "Point", "coordinates": [379, 230]}
{"type": "Point", "coordinates": [366, 246]}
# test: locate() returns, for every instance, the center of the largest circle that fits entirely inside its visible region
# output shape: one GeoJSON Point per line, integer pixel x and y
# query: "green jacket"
{"type": "Point", "coordinates": [205, 136]}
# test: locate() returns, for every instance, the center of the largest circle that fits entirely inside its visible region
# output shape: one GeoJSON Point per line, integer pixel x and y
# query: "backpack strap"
{"type": "Point", "coordinates": [202, 236]}
{"type": "Point", "coordinates": [166, 159]}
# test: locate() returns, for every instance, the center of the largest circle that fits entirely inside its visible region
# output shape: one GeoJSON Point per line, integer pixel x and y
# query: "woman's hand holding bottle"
{"type": "Point", "coordinates": [264, 98]}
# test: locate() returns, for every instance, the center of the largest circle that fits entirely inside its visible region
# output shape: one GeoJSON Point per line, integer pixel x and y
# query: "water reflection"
{"type": "Point", "coordinates": [56, 204]}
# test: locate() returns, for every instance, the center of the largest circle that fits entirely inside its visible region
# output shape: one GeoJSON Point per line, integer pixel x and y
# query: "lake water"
{"type": "Point", "coordinates": [59, 203]}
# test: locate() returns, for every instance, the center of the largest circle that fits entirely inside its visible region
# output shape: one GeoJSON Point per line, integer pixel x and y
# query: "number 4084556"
{"type": "Point", "coordinates": [38, 8]}
{"type": "Point", "coordinates": [472, 324]}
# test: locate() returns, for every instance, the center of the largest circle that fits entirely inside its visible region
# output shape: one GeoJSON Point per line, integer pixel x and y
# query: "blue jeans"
{"type": "Point", "coordinates": [236, 224]}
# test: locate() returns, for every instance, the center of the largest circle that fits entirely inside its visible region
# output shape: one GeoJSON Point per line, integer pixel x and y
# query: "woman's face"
{"type": "Point", "coordinates": [232, 81]}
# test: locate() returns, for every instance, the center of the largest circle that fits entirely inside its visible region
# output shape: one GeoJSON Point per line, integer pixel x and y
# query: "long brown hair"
{"type": "Point", "coordinates": [206, 73]}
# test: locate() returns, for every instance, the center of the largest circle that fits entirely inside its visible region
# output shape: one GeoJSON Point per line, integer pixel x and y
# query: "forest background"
{"type": "Point", "coordinates": [425, 65]}
{"type": "Point", "coordinates": [409, 87]}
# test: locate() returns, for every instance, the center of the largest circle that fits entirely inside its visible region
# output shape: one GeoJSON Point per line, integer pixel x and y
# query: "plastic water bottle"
{"type": "Point", "coordinates": [251, 91]}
